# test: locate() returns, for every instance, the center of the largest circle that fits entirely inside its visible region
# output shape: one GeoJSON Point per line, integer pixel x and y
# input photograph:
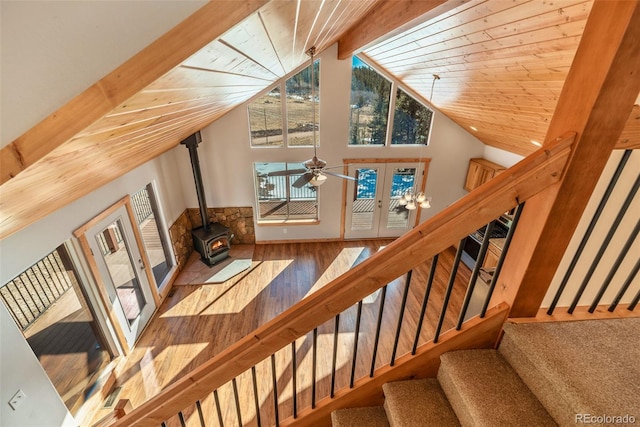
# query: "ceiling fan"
{"type": "Point", "coordinates": [315, 169]}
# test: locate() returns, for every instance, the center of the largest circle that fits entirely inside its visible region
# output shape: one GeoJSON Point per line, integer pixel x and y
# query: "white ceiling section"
{"type": "Point", "coordinates": [502, 66]}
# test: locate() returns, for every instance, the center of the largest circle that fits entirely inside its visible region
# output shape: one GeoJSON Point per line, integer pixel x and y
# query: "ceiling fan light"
{"type": "Point", "coordinates": [408, 196]}
{"type": "Point", "coordinates": [426, 204]}
{"type": "Point", "coordinates": [420, 197]}
{"type": "Point", "coordinates": [411, 205]}
{"type": "Point", "coordinates": [402, 201]}
{"type": "Point", "coordinates": [318, 180]}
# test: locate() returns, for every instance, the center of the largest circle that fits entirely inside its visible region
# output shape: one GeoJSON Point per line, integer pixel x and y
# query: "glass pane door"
{"type": "Point", "coordinates": [365, 196]}
{"type": "Point", "coordinates": [122, 272]}
{"type": "Point", "coordinates": [402, 179]}
{"type": "Point", "coordinates": [372, 199]}
{"type": "Point", "coordinates": [155, 245]}
{"type": "Point", "coordinates": [363, 200]}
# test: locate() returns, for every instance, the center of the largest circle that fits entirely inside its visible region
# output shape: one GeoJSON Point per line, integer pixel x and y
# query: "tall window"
{"type": "Point", "coordinates": [370, 93]}
{"type": "Point", "coordinates": [278, 198]}
{"type": "Point", "coordinates": [268, 116]}
{"type": "Point", "coordinates": [300, 107]}
{"type": "Point", "coordinates": [411, 121]}
{"type": "Point", "coordinates": [265, 120]}
{"type": "Point", "coordinates": [370, 111]}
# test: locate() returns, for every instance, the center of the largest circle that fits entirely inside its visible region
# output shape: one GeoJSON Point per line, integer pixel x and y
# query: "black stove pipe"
{"type": "Point", "coordinates": [192, 145]}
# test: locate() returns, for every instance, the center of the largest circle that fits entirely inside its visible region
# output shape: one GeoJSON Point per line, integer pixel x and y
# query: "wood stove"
{"type": "Point", "coordinates": [211, 240]}
{"type": "Point", "coordinates": [213, 243]}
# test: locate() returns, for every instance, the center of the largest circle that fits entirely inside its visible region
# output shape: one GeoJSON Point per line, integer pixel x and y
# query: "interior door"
{"type": "Point", "coordinates": [372, 199]}
{"type": "Point", "coordinates": [120, 265]}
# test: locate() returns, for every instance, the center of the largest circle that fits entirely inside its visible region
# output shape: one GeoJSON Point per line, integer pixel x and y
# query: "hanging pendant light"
{"type": "Point", "coordinates": [412, 199]}
{"type": "Point", "coordinates": [318, 177]}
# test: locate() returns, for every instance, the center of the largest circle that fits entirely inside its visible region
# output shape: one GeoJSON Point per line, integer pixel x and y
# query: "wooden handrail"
{"type": "Point", "coordinates": [517, 184]}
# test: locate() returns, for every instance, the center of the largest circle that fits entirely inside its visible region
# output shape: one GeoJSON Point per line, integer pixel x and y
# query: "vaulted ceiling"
{"type": "Point", "coordinates": [502, 65]}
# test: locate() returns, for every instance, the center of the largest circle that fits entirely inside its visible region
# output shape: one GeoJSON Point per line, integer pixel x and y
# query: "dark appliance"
{"type": "Point", "coordinates": [472, 245]}
{"type": "Point", "coordinates": [211, 240]}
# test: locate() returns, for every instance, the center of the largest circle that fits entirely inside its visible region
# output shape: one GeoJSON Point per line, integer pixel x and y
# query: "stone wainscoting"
{"type": "Point", "coordinates": [239, 220]}
{"type": "Point", "coordinates": [180, 233]}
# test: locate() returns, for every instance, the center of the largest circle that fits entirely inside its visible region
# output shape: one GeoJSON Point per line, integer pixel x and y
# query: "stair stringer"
{"type": "Point", "coordinates": [475, 334]}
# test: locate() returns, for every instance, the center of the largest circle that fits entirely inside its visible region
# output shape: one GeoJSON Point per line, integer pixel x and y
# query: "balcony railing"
{"type": "Point", "coordinates": [32, 292]}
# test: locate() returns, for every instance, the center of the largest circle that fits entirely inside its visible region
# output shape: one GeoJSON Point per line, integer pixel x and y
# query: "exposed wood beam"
{"type": "Point", "coordinates": [386, 18]}
{"type": "Point", "coordinates": [595, 102]}
{"type": "Point", "coordinates": [630, 138]}
{"type": "Point", "coordinates": [167, 52]}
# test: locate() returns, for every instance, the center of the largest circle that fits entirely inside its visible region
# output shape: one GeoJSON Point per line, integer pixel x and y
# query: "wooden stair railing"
{"type": "Point", "coordinates": [511, 188]}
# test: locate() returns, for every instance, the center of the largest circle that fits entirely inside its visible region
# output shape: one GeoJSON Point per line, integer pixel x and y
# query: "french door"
{"type": "Point", "coordinates": [121, 268]}
{"type": "Point", "coordinates": [372, 208]}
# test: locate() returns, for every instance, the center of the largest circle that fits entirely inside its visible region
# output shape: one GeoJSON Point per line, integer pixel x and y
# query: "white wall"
{"type": "Point", "coordinates": [501, 157]}
{"type": "Point", "coordinates": [49, 49]}
{"type": "Point", "coordinates": [602, 228]}
{"type": "Point", "coordinates": [20, 369]}
{"type": "Point", "coordinates": [226, 157]}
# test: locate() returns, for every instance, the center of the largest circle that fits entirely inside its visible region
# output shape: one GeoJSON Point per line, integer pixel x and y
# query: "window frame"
{"type": "Point", "coordinates": [288, 218]}
{"type": "Point", "coordinates": [395, 85]}
{"type": "Point", "coordinates": [284, 116]}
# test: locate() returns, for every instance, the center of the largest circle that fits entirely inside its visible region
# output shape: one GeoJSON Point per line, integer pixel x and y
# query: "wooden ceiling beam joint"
{"type": "Point", "coordinates": [385, 19]}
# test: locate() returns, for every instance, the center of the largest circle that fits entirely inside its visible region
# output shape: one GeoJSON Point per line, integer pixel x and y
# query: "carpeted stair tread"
{"type": "Point", "coordinates": [373, 416]}
{"type": "Point", "coordinates": [417, 402]}
{"type": "Point", "coordinates": [485, 391]}
{"type": "Point", "coordinates": [582, 367]}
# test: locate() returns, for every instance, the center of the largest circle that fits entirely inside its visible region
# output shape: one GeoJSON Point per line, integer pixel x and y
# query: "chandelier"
{"type": "Point", "coordinates": [412, 199]}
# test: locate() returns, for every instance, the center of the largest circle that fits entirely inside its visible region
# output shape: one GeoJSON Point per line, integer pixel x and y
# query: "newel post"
{"type": "Point", "coordinates": [122, 408]}
{"type": "Point", "coordinates": [596, 100]}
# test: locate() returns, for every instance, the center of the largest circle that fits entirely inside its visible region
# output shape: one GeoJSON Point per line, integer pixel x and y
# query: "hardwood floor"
{"type": "Point", "coordinates": [198, 321]}
{"type": "Point", "coordinates": [64, 341]}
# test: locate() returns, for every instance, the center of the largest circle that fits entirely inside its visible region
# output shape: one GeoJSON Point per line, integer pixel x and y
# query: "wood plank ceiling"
{"type": "Point", "coordinates": [502, 66]}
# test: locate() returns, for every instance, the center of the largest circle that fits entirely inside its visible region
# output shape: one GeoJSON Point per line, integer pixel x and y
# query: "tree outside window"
{"type": "Point", "coordinates": [370, 94]}
{"type": "Point", "coordinates": [411, 120]}
{"type": "Point", "coordinates": [370, 112]}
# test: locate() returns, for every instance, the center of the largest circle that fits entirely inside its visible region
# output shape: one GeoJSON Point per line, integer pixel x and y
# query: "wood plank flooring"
{"type": "Point", "coordinates": [198, 321]}
{"type": "Point", "coordinates": [64, 341]}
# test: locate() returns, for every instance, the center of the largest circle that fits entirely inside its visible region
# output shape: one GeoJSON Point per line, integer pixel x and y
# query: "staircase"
{"type": "Point", "coordinates": [543, 374]}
